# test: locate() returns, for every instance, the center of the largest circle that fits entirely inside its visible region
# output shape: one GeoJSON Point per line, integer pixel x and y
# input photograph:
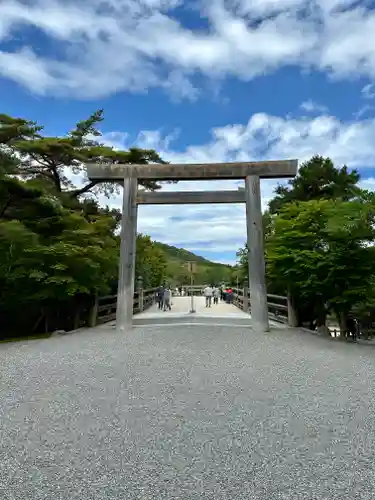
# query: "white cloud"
{"type": "Point", "coordinates": [363, 111]}
{"type": "Point", "coordinates": [24, 67]}
{"type": "Point", "coordinates": [221, 228]}
{"type": "Point", "coordinates": [313, 107]}
{"type": "Point", "coordinates": [368, 91]}
{"type": "Point", "coordinates": [368, 184]}
{"type": "Point", "coordinates": [108, 45]}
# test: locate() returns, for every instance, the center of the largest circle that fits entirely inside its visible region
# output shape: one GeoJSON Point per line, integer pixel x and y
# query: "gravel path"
{"type": "Point", "coordinates": [187, 413]}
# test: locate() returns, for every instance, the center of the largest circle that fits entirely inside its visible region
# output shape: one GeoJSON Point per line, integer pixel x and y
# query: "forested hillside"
{"type": "Point", "coordinates": [207, 271]}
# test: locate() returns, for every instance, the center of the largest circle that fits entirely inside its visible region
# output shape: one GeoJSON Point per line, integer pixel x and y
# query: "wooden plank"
{"type": "Point", "coordinates": [278, 306]}
{"type": "Point", "coordinates": [279, 297]}
{"type": "Point", "coordinates": [108, 297]}
{"type": "Point", "coordinates": [192, 171]}
{"type": "Point", "coordinates": [189, 197]}
{"type": "Point", "coordinates": [106, 307]}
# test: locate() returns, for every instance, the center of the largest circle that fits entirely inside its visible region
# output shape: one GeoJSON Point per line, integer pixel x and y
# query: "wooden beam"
{"type": "Point", "coordinates": [256, 264]}
{"type": "Point", "coordinates": [192, 171]}
{"type": "Point", "coordinates": [189, 197]}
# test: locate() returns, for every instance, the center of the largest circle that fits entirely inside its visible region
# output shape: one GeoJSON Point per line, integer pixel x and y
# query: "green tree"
{"type": "Point", "coordinates": [13, 130]}
{"type": "Point", "coordinates": [53, 160]}
{"type": "Point", "coordinates": [58, 250]}
{"type": "Point", "coordinates": [316, 179]}
{"type": "Point", "coordinates": [51, 257]}
{"type": "Point", "coordinates": [151, 263]}
{"type": "Point", "coordinates": [319, 252]}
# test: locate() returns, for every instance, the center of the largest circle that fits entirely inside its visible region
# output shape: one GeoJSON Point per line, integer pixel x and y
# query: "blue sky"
{"type": "Point", "coordinates": [199, 81]}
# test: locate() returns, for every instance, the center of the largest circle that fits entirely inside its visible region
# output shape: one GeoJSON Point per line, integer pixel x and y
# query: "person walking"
{"type": "Point", "coordinates": [208, 292]}
{"type": "Point", "coordinates": [216, 294]}
{"type": "Point", "coordinates": [167, 299]}
{"type": "Point", "coordinates": [159, 296]}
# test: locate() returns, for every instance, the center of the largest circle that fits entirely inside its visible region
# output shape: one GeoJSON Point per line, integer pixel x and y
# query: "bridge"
{"type": "Point", "coordinates": [222, 313]}
{"type": "Point", "coordinates": [146, 311]}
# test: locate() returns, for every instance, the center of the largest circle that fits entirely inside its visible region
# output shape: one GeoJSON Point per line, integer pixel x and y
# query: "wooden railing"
{"type": "Point", "coordinates": [277, 304]}
{"type": "Point", "coordinates": [105, 308]}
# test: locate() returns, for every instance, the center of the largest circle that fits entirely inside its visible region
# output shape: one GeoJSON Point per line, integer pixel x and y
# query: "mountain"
{"type": "Point", "coordinates": [207, 271]}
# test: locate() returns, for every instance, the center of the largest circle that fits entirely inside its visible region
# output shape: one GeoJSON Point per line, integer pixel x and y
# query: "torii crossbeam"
{"type": "Point", "coordinates": [252, 172]}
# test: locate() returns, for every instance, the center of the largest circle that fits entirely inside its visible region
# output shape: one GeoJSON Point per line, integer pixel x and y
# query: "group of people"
{"type": "Point", "coordinates": [212, 293]}
{"type": "Point", "coordinates": [164, 298]}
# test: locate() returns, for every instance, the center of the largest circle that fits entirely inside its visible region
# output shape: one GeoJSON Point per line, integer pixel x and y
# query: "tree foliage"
{"type": "Point", "coordinates": [317, 178]}
{"type": "Point", "coordinates": [55, 161]}
{"type": "Point", "coordinates": [319, 234]}
{"type": "Point", "coordinates": [59, 248]}
{"type": "Point", "coordinates": [151, 262]}
{"type": "Point", "coordinates": [319, 252]}
{"type": "Point", "coordinates": [207, 271]}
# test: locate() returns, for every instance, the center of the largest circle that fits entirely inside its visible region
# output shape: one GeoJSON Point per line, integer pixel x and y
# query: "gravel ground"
{"type": "Point", "coordinates": [187, 413]}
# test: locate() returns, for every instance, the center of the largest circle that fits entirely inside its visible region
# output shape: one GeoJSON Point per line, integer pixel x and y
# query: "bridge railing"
{"type": "Point", "coordinates": [277, 304]}
{"type": "Point", "coordinates": [104, 309]}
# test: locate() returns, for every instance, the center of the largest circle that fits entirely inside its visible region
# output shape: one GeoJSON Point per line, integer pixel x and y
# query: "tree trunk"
{"type": "Point", "coordinates": [321, 322]}
{"type": "Point", "coordinates": [323, 330]}
{"type": "Point", "coordinates": [38, 322]}
{"type": "Point", "coordinates": [46, 320]}
{"type": "Point", "coordinates": [342, 319]}
{"type": "Point", "coordinates": [93, 312]}
{"type": "Point", "coordinates": [76, 319]}
{"type": "Point", "coordinates": [292, 311]}
{"type": "Point", "coordinates": [5, 206]}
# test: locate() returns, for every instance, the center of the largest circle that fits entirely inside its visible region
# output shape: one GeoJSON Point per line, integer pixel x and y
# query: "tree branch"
{"type": "Point", "coordinates": [7, 203]}
{"type": "Point", "coordinates": [84, 189]}
{"type": "Point", "coordinates": [56, 178]}
{"type": "Point", "coordinates": [33, 171]}
{"type": "Point", "coordinates": [35, 158]}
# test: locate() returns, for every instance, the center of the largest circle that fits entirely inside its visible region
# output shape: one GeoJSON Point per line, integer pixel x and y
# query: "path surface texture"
{"type": "Point", "coordinates": [187, 412]}
{"type": "Point", "coordinates": [218, 314]}
{"type": "Point", "coordinates": [183, 305]}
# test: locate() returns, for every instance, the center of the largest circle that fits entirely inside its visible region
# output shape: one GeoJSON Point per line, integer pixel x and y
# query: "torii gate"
{"type": "Point", "coordinates": [252, 172]}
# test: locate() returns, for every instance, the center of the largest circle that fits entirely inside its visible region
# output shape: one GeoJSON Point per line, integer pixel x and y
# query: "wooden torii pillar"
{"type": "Point", "coordinates": [252, 172]}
